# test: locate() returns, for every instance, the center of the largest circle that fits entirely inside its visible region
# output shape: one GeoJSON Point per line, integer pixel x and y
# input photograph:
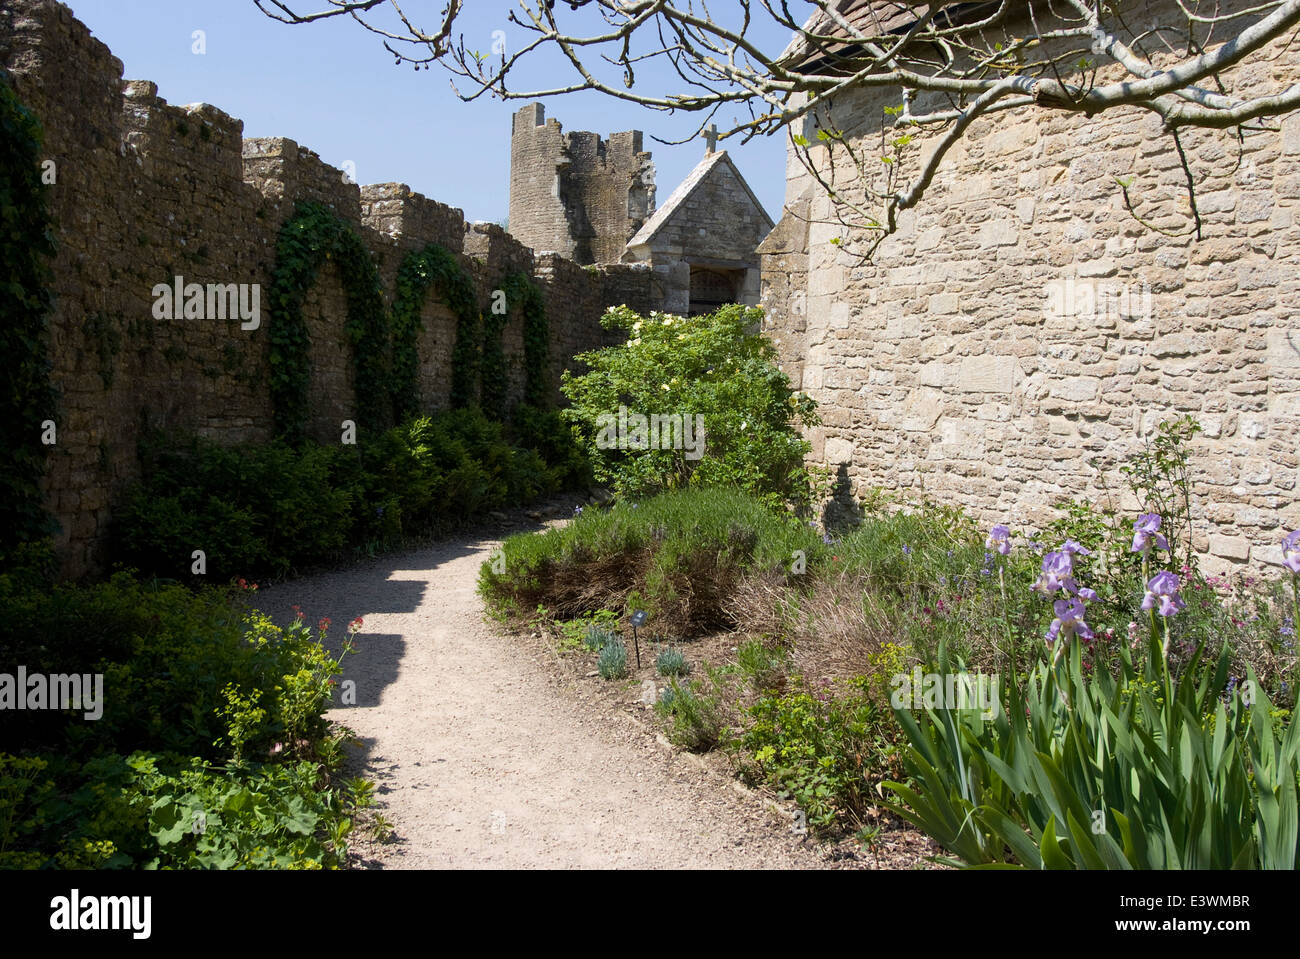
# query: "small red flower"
{"type": "Point", "coordinates": [324, 623]}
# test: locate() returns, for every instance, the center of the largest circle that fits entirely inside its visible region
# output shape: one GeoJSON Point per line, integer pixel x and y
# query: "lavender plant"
{"type": "Point", "coordinates": [612, 660]}
{"type": "Point", "coordinates": [671, 662]}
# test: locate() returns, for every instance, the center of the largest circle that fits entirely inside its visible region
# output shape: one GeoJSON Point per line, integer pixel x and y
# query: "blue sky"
{"type": "Point", "coordinates": [333, 88]}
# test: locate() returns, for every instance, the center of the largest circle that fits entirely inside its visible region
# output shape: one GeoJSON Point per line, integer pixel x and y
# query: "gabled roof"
{"type": "Point", "coordinates": [683, 192]}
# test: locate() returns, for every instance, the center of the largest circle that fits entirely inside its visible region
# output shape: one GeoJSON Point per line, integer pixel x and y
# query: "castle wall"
{"type": "Point", "coordinates": [147, 191]}
{"type": "Point", "coordinates": [1022, 333]}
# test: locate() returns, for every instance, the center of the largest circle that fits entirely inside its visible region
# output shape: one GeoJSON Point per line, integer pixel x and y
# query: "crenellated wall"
{"type": "Point", "coordinates": [147, 191]}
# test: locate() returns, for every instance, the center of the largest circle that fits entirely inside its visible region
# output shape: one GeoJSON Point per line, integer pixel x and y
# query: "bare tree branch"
{"type": "Point", "coordinates": [941, 66]}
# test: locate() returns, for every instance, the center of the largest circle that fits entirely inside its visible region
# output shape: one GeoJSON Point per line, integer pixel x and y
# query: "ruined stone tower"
{"type": "Point", "coordinates": [574, 193]}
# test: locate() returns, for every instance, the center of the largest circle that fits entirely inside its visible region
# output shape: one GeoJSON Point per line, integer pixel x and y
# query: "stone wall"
{"type": "Point", "coordinates": [966, 361]}
{"type": "Point", "coordinates": [147, 191]}
{"type": "Point", "coordinates": [635, 285]}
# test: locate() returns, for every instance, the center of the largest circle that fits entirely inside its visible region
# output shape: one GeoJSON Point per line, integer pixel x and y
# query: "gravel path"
{"type": "Point", "coordinates": [484, 756]}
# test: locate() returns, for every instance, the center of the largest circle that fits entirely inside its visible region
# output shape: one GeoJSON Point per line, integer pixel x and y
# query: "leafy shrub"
{"type": "Point", "coordinates": [671, 662]}
{"type": "Point", "coordinates": [251, 509]}
{"type": "Point", "coordinates": [269, 509]}
{"type": "Point", "coordinates": [717, 366]}
{"type": "Point", "coordinates": [546, 432]}
{"type": "Point", "coordinates": [611, 661]}
{"type": "Point", "coordinates": [681, 553]}
{"type": "Point", "coordinates": [167, 656]}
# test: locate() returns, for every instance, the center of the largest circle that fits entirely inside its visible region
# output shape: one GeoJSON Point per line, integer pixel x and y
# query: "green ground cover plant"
{"type": "Point", "coordinates": [211, 749]}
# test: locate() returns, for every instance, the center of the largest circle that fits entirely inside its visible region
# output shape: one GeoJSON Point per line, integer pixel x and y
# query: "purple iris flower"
{"type": "Point", "coordinates": [1069, 621]}
{"type": "Point", "coordinates": [1162, 594]}
{"type": "Point", "coordinates": [1058, 573]}
{"type": "Point", "coordinates": [1146, 529]}
{"type": "Point", "coordinates": [1088, 595]}
{"type": "Point", "coordinates": [999, 539]}
{"type": "Point", "coordinates": [1226, 695]}
{"type": "Point", "coordinates": [1291, 551]}
{"type": "Point", "coordinates": [1074, 546]}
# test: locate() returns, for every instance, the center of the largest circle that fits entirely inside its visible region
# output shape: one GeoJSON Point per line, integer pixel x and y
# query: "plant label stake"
{"type": "Point", "coordinates": [638, 619]}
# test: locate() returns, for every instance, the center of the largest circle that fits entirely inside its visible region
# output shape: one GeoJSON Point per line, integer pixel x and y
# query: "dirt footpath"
{"type": "Point", "coordinates": [483, 757]}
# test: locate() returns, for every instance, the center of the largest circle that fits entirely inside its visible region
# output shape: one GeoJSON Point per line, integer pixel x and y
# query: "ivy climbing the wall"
{"type": "Point", "coordinates": [433, 267]}
{"type": "Point", "coordinates": [387, 374]}
{"type": "Point", "coordinates": [522, 293]}
{"type": "Point", "coordinates": [27, 395]}
{"type": "Point", "coordinates": [495, 378]}
{"type": "Point", "coordinates": [313, 235]}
